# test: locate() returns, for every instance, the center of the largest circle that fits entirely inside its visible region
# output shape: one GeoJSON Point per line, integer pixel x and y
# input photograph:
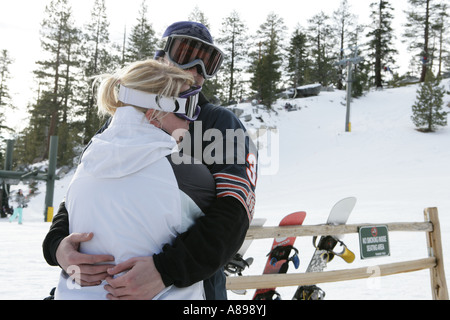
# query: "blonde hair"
{"type": "Point", "coordinates": [149, 76]}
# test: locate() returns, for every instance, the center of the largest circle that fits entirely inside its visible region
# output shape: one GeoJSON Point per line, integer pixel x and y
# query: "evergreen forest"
{"type": "Point", "coordinates": [257, 66]}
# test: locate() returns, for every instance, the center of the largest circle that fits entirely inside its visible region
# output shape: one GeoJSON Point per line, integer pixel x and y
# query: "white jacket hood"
{"type": "Point", "coordinates": [129, 144]}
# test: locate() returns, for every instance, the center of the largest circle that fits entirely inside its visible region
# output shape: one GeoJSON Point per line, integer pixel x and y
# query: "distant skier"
{"type": "Point", "coordinates": [21, 203]}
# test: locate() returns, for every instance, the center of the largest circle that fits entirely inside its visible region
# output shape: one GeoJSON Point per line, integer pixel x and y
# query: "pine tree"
{"type": "Point", "coordinates": [428, 109]}
{"type": "Point", "coordinates": [59, 39]}
{"type": "Point", "coordinates": [142, 41]}
{"type": "Point", "coordinates": [199, 16]}
{"type": "Point", "coordinates": [323, 58]}
{"type": "Point", "coordinates": [233, 41]}
{"type": "Point", "coordinates": [344, 25]}
{"type": "Point", "coordinates": [65, 128]}
{"type": "Point", "coordinates": [268, 60]}
{"type": "Point", "coordinates": [381, 37]}
{"type": "Point", "coordinates": [97, 59]}
{"type": "Point", "coordinates": [440, 27]}
{"type": "Point", "coordinates": [5, 98]}
{"type": "Point", "coordinates": [30, 145]}
{"type": "Point", "coordinates": [298, 59]}
{"type": "Point", "coordinates": [419, 31]}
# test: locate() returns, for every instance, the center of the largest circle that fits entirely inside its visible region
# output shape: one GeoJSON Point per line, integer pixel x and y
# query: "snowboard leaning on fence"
{"type": "Point", "coordinates": [326, 249]}
{"type": "Point", "coordinates": [280, 255]}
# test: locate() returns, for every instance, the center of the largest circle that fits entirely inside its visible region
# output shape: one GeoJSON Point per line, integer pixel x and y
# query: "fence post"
{"type": "Point", "coordinates": [434, 241]}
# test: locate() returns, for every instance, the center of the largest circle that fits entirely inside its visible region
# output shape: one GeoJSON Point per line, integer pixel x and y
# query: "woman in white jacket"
{"type": "Point", "coordinates": [126, 190]}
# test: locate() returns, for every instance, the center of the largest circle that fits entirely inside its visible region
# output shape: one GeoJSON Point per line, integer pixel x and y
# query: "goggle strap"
{"type": "Point", "coordinates": [152, 101]}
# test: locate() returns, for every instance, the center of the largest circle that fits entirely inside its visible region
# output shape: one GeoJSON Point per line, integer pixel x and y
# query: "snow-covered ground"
{"type": "Point", "coordinates": [393, 170]}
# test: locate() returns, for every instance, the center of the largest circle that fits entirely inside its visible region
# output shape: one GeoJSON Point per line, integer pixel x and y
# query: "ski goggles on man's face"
{"type": "Point", "coordinates": [192, 109]}
{"type": "Point", "coordinates": [187, 52]}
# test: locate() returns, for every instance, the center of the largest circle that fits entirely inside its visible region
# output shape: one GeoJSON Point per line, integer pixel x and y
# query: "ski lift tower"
{"type": "Point", "coordinates": [349, 62]}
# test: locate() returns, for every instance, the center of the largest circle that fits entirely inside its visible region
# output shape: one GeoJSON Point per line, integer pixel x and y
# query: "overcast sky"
{"type": "Point", "coordinates": [20, 24]}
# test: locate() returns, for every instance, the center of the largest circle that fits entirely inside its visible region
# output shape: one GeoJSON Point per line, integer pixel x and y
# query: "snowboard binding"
{"type": "Point", "coordinates": [283, 253]}
{"type": "Point", "coordinates": [309, 293]}
{"type": "Point", "coordinates": [237, 265]}
{"type": "Point", "coordinates": [328, 244]}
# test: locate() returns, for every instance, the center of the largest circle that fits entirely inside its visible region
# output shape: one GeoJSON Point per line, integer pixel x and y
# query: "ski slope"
{"type": "Point", "coordinates": [393, 170]}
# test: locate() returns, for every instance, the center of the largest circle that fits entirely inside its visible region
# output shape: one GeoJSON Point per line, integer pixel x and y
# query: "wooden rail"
{"type": "Point", "coordinates": [305, 231]}
{"type": "Point", "coordinates": [304, 279]}
{"type": "Point", "coordinates": [434, 261]}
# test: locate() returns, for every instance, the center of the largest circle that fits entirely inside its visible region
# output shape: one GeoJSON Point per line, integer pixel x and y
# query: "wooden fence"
{"type": "Point", "coordinates": [434, 261]}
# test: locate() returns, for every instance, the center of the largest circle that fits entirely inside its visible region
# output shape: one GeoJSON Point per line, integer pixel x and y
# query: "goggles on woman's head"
{"type": "Point", "coordinates": [185, 106]}
{"type": "Point", "coordinates": [187, 52]}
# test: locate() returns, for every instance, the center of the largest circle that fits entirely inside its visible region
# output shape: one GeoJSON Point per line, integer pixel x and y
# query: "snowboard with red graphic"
{"type": "Point", "coordinates": [281, 254]}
